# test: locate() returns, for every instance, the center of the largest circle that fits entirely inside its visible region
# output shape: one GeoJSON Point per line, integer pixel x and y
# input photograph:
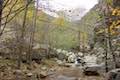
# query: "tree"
{"type": "Point", "coordinates": [23, 28]}
{"type": "Point", "coordinates": [32, 33]}
{"type": "Point", "coordinates": [110, 26]}
{"type": "Point", "coordinates": [1, 10]}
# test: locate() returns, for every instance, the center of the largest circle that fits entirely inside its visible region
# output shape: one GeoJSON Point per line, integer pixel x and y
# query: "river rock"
{"type": "Point", "coordinates": [61, 56]}
{"type": "Point", "coordinates": [44, 68]}
{"type": "Point", "coordinates": [29, 74]}
{"type": "Point", "coordinates": [113, 75]}
{"type": "Point", "coordinates": [71, 58]}
{"type": "Point", "coordinates": [43, 74]}
{"type": "Point", "coordinates": [18, 72]}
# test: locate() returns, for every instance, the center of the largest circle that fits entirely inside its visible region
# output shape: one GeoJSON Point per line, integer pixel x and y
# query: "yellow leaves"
{"type": "Point", "coordinates": [116, 12]}
{"type": "Point", "coordinates": [114, 28]}
{"type": "Point", "coordinates": [113, 25]}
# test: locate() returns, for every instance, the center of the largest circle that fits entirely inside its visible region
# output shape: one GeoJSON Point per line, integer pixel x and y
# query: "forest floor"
{"type": "Point", "coordinates": [47, 70]}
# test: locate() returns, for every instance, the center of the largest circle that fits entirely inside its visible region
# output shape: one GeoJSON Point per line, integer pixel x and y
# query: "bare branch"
{"type": "Point", "coordinates": [8, 17]}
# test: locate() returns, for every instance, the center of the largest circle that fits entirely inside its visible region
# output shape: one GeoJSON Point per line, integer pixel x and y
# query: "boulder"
{"type": "Point", "coordinates": [80, 54]}
{"type": "Point", "coordinates": [18, 72]}
{"type": "Point", "coordinates": [92, 70]}
{"type": "Point", "coordinates": [71, 58]}
{"type": "Point", "coordinates": [113, 75]}
{"type": "Point", "coordinates": [43, 74]}
{"type": "Point", "coordinates": [44, 68]}
{"type": "Point", "coordinates": [19, 75]}
{"type": "Point", "coordinates": [69, 53]}
{"type": "Point", "coordinates": [59, 62]}
{"type": "Point", "coordinates": [29, 74]}
{"type": "Point", "coordinates": [61, 56]}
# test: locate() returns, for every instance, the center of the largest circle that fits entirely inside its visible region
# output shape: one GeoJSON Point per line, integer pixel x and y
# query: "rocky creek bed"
{"type": "Point", "coordinates": [47, 70]}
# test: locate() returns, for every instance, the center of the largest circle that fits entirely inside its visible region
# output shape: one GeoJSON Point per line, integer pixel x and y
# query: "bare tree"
{"type": "Point", "coordinates": [22, 36]}
{"type": "Point", "coordinates": [32, 32]}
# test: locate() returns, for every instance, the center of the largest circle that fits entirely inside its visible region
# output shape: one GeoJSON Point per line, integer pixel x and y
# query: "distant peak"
{"type": "Point", "coordinates": [72, 11]}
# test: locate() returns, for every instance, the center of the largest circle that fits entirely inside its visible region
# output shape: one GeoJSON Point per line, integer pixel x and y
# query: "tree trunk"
{"type": "Point", "coordinates": [111, 48]}
{"type": "Point", "coordinates": [21, 45]}
{"type": "Point", "coordinates": [1, 9]}
{"type": "Point", "coordinates": [106, 55]}
{"type": "Point", "coordinates": [32, 32]}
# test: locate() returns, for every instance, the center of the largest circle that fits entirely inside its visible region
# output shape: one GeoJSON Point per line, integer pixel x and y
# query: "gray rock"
{"type": "Point", "coordinates": [19, 75]}
{"type": "Point", "coordinates": [44, 68]}
{"type": "Point", "coordinates": [71, 58]}
{"type": "Point", "coordinates": [61, 56]}
{"type": "Point", "coordinates": [113, 75]}
{"type": "Point", "coordinates": [29, 74]}
{"type": "Point", "coordinates": [18, 72]}
{"type": "Point", "coordinates": [43, 74]}
{"type": "Point", "coordinates": [91, 70]}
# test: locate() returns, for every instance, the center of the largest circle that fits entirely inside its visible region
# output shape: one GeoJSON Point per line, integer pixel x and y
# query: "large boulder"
{"type": "Point", "coordinates": [92, 70]}
{"type": "Point", "coordinates": [113, 75]}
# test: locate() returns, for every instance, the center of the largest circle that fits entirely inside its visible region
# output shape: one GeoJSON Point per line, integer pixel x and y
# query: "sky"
{"type": "Point", "coordinates": [88, 4]}
{"type": "Point", "coordinates": [51, 6]}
